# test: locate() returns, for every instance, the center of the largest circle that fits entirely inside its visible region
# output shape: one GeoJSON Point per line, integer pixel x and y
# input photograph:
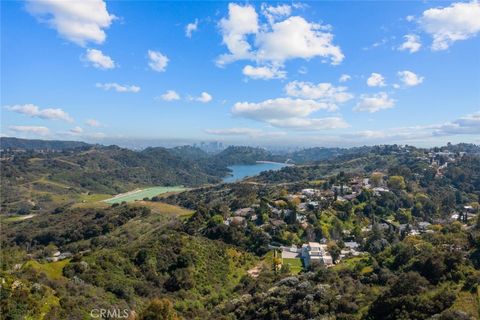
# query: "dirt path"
{"type": "Point", "coordinates": [255, 271]}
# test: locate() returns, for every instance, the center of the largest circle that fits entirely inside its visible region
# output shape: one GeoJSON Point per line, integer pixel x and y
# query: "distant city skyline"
{"type": "Point", "coordinates": [285, 74]}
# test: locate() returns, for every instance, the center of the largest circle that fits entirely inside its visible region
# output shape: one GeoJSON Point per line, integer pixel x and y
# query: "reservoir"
{"type": "Point", "coordinates": [242, 171]}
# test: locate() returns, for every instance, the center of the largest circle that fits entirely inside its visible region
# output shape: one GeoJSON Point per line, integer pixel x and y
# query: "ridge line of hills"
{"type": "Point", "coordinates": [230, 155]}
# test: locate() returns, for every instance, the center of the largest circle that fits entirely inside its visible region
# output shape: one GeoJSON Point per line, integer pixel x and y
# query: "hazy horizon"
{"type": "Point", "coordinates": [139, 144]}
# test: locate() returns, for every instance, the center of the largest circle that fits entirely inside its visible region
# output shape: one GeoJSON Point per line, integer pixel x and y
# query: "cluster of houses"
{"type": "Point", "coordinates": [311, 199]}
{"type": "Point", "coordinates": [243, 215]}
{"type": "Point", "coordinates": [441, 159]}
{"type": "Point", "coordinates": [437, 157]}
{"type": "Point", "coordinates": [344, 192]}
{"type": "Point", "coordinates": [417, 229]}
{"type": "Point", "coordinates": [307, 199]}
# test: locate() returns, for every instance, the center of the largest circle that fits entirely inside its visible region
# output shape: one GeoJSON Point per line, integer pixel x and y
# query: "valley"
{"type": "Point", "coordinates": [336, 237]}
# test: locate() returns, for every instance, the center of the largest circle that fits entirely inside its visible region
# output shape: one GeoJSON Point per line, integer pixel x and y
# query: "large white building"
{"type": "Point", "coordinates": [309, 252]}
{"type": "Point", "coordinates": [314, 251]}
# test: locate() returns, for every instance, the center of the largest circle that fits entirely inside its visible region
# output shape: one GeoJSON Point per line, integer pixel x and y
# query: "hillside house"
{"type": "Point", "coordinates": [313, 205]}
{"type": "Point", "coordinates": [310, 192]}
{"type": "Point", "coordinates": [316, 252]}
{"type": "Point", "coordinates": [277, 222]}
{"type": "Point", "coordinates": [378, 190]}
{"type": "Point", "coordinates": [423, 226]}
{"type": "Point", "coordinates": [58, 256]}
{"type": "Point", "coordinates": [351, 249]}
{"type": "Point", "coordinates": [366, 183]}
{"type": "Point", "coordinates": [341, 189]}
{"type": "Point", "coordinates": [302, 207]}
{"type": "Point", "coordinates": [244, 212]}
{"type": "Point", "coordinates": [235, 221]}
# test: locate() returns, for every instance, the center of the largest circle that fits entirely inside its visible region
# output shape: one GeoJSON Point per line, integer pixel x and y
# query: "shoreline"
{"type": "Point", "coordinates": [123, 194]}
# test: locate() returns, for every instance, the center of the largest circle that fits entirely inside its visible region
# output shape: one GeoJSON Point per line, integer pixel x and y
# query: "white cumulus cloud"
{"type": "Point", "coordinates": [204, 97]}
{"type": "Point", "coordinates": [241, 21]}
{"type": "Point", "coordinates": [265, 73]}
{"type": "Point", "coordinates": [297, 111]}
{"type": "Point", "coordinates": [99, 60]}
{"type": "Point", "coordinates": [34, 111]}
{"type": "Point", "coordinates": [80, 22]}
{"type": "Point", "coordinates": [157, 61]}
{"type": "Point", "coordinates": [323, 92]}
{"type": "Point", "coordinates": [190, 28]}
{"type": "Point", "coordinates": [37, 130]}
{"type": "Point", "coordinates": [412, 43]}
{"type": "Point", "coordinates": [170, 95]}
{"type": "Point", "coordinates": [409, 78]}
{"type": "Point", "coordinates": [344, 78]}
{"type": "Point", "coordinates": [76, 130]}
{"type": "Point", "coordinates": [376, 80]}
{"type": "Point", "coordinates": [295, 37]}
{"type": "Point", "coordinates": [118, 87]}
{"type": "Point", "coordinates": [459, 21]}
{"type": "Point", "coordinates": [375, 102]}
{"type": "Point", "coordinates": [469, 124]}
{"type": "Point", "coordinates": [281, 38]}
{"type": "Point", "coordinates": [273, 13]}
{"type": "Point", "coordinates": [93, 123]}
{"type": "Point", "coordinates": [279, 108]}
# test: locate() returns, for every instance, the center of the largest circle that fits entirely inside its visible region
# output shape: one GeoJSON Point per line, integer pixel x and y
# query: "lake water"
{"type": "Point", "coordinates": [242, 171]}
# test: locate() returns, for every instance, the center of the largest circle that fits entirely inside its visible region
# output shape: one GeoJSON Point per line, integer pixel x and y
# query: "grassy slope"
{"type": "Point", "coordinates": [216, 268]}
{"type": "Point", "coordinates": [53, 270]}
{"type": "Point", "coordinates": [468, 302]}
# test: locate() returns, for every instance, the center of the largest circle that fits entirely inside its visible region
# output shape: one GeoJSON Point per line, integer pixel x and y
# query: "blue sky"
{"type": "Point", "coordinates": [275, 73]}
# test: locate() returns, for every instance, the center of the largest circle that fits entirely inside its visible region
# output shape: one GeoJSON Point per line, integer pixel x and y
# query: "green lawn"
{"type": "Point", "coordinates": [296, 264]}
{"type": "Point", "coordinates": [16, 218]}
{"type": "Point", "coordinates": [53, 270]}
{"type": "Point", "coordinates": [144, 193]}
{"type": "Point", "coordinates": [351, 263]}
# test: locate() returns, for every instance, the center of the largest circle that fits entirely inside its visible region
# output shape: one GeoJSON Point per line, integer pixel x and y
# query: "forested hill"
{"type": "Point", "coordinates": [241, 155]}
{"type": "Point", "coordinates": [53, 145]}
{"type": "Point", "coordinates": [109, 169]}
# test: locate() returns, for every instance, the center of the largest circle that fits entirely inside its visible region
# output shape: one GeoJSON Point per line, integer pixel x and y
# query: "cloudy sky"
{"type": "Point", "coordinates": [275, 73]}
